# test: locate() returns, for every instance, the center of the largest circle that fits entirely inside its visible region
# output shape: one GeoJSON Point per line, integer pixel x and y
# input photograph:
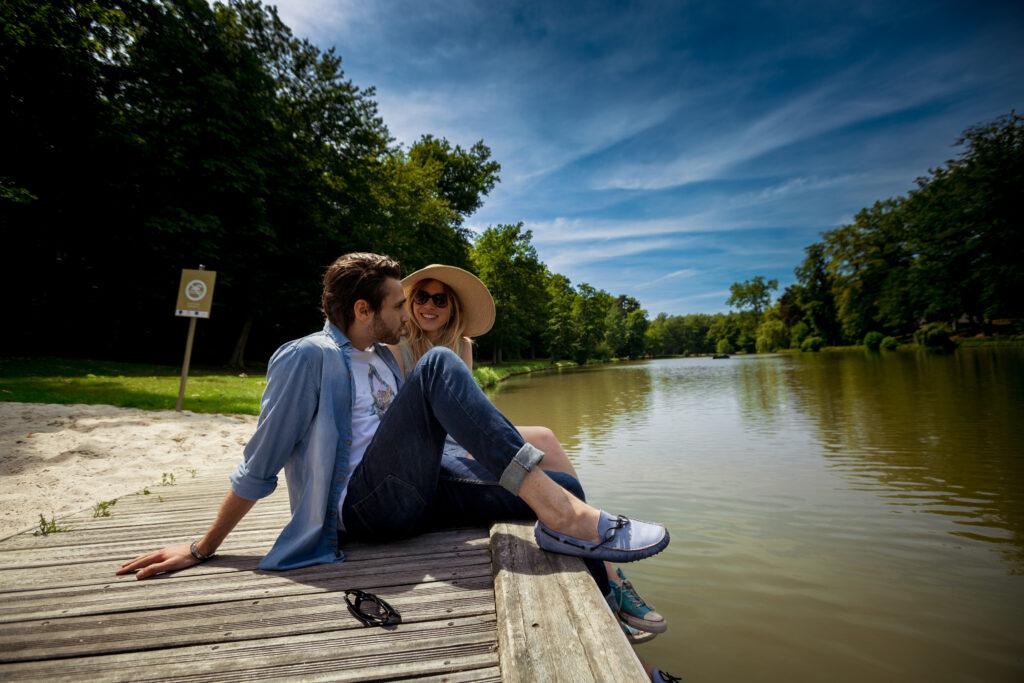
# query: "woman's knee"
{"type": "Point", "coordinates": [555, 459]}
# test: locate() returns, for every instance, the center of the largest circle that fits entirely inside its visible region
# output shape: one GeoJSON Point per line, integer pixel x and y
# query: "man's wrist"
{"type": "Point", "coordinates": [199, 554]}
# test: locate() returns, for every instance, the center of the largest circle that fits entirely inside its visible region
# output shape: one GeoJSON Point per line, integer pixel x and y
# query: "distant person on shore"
{"type": "Point", "coordinates": [361, 446]}
{"type": "Point", "coordinates": [447, 307]}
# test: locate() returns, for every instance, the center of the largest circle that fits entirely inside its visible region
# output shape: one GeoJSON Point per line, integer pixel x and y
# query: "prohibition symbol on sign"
{"type": "Point", "coordinates": [195, 293]}
{"type": "Point", "coordinates": [195, 290]}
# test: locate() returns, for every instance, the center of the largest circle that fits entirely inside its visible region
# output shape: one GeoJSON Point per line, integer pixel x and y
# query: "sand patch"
{"type": "Point", "coordinates": [58, 459]}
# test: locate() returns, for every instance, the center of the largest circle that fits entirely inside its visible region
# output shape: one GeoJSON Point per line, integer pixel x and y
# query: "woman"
{"type": "Point", "coordinates": [447, 307]}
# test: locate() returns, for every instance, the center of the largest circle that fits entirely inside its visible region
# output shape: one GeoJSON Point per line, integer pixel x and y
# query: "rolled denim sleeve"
{"type": "Point", "coordinates": [286, 412]}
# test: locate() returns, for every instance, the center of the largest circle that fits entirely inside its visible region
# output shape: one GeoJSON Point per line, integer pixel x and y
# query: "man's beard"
{"type": "Point", "coordinates": [385, 335]}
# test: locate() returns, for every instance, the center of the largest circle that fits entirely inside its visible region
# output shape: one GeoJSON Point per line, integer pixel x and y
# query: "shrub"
{"type": "Point", "coordinates": [934, 336]}
{"type": "Point", "coordinates": [873, 340]}
{"type": "Point", "coordinates": [771, 336]}
{"type": "Point", "coordinates": [890, 343]}
{"type": "Point", "coordinates": [798, 333]}
{"type": "Point", "coordinates": [812, 344]}
{"type": "Point", "coordinates": [723, 346]}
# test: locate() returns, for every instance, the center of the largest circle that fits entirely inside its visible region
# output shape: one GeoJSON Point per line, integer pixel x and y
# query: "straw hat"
{"type": "Point", "coordinates": [477, 303]}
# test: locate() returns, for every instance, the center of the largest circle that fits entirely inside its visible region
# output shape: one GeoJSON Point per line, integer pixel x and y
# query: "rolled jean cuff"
{"type": "Point", "coordinates": [522, 463]}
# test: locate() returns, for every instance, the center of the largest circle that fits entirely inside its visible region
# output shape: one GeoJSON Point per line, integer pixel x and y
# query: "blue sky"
{"type": "Point", "coordinates": [666, 150]}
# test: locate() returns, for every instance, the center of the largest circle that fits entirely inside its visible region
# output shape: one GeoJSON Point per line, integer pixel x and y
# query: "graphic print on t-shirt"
{"type": "Point", "coordinates": [380, 391]}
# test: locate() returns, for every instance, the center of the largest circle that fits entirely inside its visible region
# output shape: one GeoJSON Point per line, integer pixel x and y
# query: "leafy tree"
{"type": "Point", "coordinates": [590, 314]}
{"type": "Point", "coordinates": [815, 294]}
{"type": "Point", "coordinates": [560, 334]}
{"type": "Point", "coordinates": [753, 295]}
{"type": "Point", "coordinates": [625, 326]}
{"type": "Point", "coordinates": [466, 176]}
{"type": "Point", "coordinates": [507, 263]}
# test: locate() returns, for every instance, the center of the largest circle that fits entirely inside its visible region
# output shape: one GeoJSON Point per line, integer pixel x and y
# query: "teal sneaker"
{"type": "Point", "coordinates": [631, 608]}
{"type": "Point", "coordinates": [634, 635]}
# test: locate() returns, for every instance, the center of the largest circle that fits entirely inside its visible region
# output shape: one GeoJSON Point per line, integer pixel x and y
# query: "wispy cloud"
{"type": "Point", "coordinates": [843, 100]}
{"type": "Point", "coordinates": [675, 275]}
{"type": "Point", "coordinates": [563, 258]}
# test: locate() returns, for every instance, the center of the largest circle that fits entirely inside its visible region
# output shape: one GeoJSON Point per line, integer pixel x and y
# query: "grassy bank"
{"type": "Point", "coordinates": [155, 387]}
{"type": "Point", "coordinates": [129, 385]}
{"type": "Point", "coordinates": [489, 375]}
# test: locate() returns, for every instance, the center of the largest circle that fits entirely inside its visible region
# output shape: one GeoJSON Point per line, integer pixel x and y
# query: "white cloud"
{"type": "Point", "coordinates": [846, 99]}
{"type": "Point", "coordinates": [575, 256]}
{"type": "Point", "coordinates": [683, 273]}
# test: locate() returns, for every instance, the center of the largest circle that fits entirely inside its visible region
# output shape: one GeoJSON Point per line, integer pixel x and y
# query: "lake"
{"type": "Point", "coordinates": [845, 516]}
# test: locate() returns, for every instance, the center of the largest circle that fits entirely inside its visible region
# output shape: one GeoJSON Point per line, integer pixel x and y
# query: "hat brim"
{"type": "Point", "coordinates": [474, 297]}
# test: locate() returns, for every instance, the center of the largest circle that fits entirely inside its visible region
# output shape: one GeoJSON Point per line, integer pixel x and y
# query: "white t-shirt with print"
{"type": "Point", "coordinates": [375, 389]}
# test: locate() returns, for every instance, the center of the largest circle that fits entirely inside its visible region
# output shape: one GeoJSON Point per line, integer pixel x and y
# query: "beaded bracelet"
{"type": "Point", "coordinates": [194, 549]}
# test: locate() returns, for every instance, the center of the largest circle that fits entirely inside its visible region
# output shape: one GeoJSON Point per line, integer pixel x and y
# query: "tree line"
{"type": "Point", "coordinates": [946, 258]}
{"type": "Point", "coordinates": [144, 136]}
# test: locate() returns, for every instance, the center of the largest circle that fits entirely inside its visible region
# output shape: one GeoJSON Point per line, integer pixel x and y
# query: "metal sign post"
{"type": "Point", "coordinates": [195, 299]}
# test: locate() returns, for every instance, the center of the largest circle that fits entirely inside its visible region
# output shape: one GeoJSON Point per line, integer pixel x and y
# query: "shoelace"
{"type": "Point", "coordinates": [669, 678]}
{"type": "Point", "coordinates": [609, 533]}
{"type": "Point", "coordinates": [628, 590]}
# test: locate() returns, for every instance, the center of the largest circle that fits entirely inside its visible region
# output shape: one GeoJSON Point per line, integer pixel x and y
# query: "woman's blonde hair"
{"type": "Point", "coordinates": [451, 334]}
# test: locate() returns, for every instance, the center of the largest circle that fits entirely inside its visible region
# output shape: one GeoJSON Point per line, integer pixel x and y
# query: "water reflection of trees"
{"type": "Point", "coordinates": [941, 433]}
{"type": "Point", "coordinates": [580, 405]}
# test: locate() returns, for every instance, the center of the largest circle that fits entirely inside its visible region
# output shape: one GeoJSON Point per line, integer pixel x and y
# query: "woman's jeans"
{"type": "Point", "coordinates": [404, 485]}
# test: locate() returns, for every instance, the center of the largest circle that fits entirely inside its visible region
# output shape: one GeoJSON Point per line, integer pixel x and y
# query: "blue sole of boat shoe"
{"type": "Point", "coordinates": [605, 554]}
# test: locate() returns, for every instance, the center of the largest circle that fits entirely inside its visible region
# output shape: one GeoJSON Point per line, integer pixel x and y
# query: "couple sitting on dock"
{"type": "Point", "coordinates": [375, 428]}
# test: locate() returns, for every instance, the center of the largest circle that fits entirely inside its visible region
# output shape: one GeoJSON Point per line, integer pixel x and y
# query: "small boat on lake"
{"type": "Point", "coordinates": [719, 356]}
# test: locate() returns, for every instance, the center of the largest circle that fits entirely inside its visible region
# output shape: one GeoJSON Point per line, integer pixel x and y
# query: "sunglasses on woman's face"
{"type": "Point", "coordinates": [371, 610]}
{"type": "Point", "coordinates": [422, 296]}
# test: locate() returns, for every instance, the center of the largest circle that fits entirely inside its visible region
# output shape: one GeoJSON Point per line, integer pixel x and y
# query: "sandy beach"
{"type": "Point", "coordinates": [59, 459]}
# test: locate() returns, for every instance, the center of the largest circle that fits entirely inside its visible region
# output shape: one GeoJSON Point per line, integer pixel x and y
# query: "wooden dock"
{"type": "Point", "coordinates": [477, 605]}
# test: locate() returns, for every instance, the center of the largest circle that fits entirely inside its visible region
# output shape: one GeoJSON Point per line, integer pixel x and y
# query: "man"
{"type": "Point", "coordinates": [362, 452]}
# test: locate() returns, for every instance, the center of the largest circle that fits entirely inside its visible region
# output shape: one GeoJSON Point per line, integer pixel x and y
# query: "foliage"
{"type": "Point", "coordinates": [890, 343]}
{"type": "Point", "coordinates": [950, 252]}
{"type": "Point", "coordinates": [772, 336]}
{"type": "Point", "coordinates": [934, 336]}
{"type": "Point", "coordinates": [812, 343]}
{"type": "Point", "coordinates": [102, 508]}
{"type": "Point", "coordinates": [753, 295]}
{"type": "Point", "coordinates": [50, 526]}
{"type": "Point", "coordinates": [723, 346]}
{"type": "Point", "coordinates": [679, 334]}
{"type": "Point", "coordinates": [507, 263]}
{"type": "Point", "coordinates": [873, 340]}
{"type": "Point", "coordinates": [140, 138]}
{"type": "Point", "coordinates": [488, 375]}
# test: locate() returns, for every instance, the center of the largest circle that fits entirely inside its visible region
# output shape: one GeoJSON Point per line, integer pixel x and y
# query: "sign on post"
{"type": "Point", "coordinates": [195, 299]}
{"type": "Point", "coordinates": [195, 294]}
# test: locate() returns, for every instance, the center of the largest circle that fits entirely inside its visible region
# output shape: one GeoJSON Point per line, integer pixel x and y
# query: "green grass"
{"type": "Point", "coordinates": [489, 375]}
{"type": "Point", "coordinates": [50, 526]}
{"type": "Point", "coordinates": [130, 385]}
{"type": "Point", "coordinates": [155, 387]}
{"type": "Point", "coordinates": [102, 508]}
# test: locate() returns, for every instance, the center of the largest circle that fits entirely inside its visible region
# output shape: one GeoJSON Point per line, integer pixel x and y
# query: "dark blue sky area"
{"type": "Point", "coordinates": [666, 150]}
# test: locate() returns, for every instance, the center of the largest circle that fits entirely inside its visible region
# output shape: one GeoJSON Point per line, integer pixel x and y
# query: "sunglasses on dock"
{"type": "Point", "coordinates": [371, 610]}
{"type": "Point", "coordinates": [440, 299]}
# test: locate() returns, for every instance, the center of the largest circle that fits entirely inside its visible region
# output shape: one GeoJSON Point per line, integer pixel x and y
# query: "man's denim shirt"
{"type": "Point", "coordinates": [305, 427]}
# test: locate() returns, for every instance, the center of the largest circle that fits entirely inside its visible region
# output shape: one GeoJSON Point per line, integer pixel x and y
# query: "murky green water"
{"type": "Point", "coordinates": [839, 516]}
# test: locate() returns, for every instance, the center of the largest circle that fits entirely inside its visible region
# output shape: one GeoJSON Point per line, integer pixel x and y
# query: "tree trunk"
{"type": "Point", "coordinates": [237, 359]}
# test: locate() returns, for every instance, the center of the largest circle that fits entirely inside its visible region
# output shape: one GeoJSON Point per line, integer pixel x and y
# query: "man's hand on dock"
{"type": "Point", "coordinates": [169, 559]}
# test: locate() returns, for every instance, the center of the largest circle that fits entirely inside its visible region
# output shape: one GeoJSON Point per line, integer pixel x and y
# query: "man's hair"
{"type": "Point", "coordinates": [353, 277]}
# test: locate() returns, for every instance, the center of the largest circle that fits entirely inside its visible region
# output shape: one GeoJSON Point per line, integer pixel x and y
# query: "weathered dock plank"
{"type": "Point", "coordinates": [65, 615]}
{"type": "Point", "coordinates": [552, 622]}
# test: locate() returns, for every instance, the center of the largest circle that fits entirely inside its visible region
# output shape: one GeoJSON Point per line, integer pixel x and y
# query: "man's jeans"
{"type": "Point", "coordinates": [403, 484]}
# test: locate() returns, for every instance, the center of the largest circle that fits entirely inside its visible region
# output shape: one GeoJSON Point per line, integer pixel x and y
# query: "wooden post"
{"type": "Point", "coordinates": [184, 366]}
